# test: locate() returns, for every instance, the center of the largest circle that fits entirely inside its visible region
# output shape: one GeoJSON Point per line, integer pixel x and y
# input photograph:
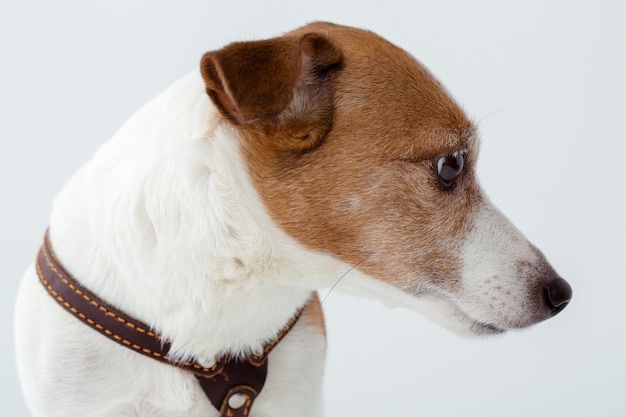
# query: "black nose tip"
{"type": "Point", "coordinates": [558, 293]}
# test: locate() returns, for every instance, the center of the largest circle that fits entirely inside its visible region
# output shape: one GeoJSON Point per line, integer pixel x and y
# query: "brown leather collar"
{"type": "Point", "coordinates": [231, 384]}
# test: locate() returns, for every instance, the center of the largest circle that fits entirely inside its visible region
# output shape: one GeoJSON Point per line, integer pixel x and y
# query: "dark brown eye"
{"type": "Point", "coordinates": [449, 168]}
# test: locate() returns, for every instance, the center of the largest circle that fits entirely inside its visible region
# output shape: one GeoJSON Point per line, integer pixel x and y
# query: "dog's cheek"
{"type": "Point", "coordinates": [412, 232]}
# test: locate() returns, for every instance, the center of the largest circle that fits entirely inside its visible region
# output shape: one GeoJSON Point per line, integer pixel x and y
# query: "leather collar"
{"type": "Point", "coordinates": [231, 384]}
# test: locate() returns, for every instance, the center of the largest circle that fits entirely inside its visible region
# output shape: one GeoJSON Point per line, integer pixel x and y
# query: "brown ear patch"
{"type": "Point", "coordinates": [281, 87]}
{"type": "Point", "coordinates": [252, 80]}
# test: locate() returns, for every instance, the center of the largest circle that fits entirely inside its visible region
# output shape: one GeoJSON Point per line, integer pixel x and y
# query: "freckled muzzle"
{"type": "Point", "coordinates": [508, 282]}
{"type": "Point", "coordinates": [553, 294]}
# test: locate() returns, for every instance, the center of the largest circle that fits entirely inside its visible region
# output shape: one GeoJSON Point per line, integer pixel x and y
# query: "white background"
{"type": "Point", "coordinates": [546, 80]}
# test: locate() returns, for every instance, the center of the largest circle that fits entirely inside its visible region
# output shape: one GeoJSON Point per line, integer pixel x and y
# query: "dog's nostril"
{"type": "Point", "coordinates": [558, 293]}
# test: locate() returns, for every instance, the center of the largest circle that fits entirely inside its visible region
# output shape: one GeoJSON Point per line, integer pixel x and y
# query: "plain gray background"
{"type": "Point", "coordinates": [546, 80]}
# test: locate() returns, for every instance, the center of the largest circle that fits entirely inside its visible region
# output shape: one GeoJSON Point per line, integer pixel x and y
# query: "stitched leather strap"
{"type": "Point", "coordinates": [231, 384]}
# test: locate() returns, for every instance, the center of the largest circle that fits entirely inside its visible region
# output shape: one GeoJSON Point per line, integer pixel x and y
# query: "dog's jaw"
{"type": "Point", "coordinates": [502, 281]}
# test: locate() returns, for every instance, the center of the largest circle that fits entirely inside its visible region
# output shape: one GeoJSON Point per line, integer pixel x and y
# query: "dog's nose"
{"type": "Point", "coordinates": [558, 294]}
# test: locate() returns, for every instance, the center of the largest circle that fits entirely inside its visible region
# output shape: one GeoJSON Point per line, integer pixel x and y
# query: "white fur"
{"type": "Point", "coordinates": [492, 289]}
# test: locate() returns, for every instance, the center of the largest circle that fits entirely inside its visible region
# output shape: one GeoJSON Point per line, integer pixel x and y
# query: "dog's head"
{"type": "Point", "coordinates": [357, 151]}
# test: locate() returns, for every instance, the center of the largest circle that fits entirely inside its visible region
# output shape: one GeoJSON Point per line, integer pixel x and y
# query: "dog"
{"type": "Point", "coordinates": [215, 214]}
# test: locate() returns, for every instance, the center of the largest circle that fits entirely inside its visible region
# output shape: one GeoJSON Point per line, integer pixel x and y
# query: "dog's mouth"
{"type": "Point", "coordinates": [442, 308]}
{"type": "Point", "coordinates": [482, 329]}
{"type": "Point", "coordinates": [471, 326]}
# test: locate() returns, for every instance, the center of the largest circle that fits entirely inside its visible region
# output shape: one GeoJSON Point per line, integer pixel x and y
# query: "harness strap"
{"type": "Point", "coordinates": [231, 384]}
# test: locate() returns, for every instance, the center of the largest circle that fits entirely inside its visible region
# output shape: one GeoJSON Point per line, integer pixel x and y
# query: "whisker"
{"type": "Point", "coordinates": [491, 113]}
{"type": "Point", "coordinates": [343, 276]}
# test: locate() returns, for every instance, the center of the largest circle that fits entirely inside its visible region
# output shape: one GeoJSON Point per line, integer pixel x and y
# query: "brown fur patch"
{"type": "Point", "coordinates": [314, 314]}
{"type": "Point", "coordinates": [367, 190]}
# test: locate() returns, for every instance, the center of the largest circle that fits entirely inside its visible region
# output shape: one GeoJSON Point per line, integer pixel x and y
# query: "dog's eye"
{"type": "Point", "coordinates": [449, 168]}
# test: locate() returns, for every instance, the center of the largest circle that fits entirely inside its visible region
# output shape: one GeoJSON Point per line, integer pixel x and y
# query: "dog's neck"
{"type": "Point", "coordinates": [188, 248]}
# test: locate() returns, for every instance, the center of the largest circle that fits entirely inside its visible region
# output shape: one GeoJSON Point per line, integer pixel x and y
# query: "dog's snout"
{"type": "Point", "coordinates": [558, 294]}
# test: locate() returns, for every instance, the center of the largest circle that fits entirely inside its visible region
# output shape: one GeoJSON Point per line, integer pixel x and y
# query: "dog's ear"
{"type": "Point", "coordinates": [282, 84]}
